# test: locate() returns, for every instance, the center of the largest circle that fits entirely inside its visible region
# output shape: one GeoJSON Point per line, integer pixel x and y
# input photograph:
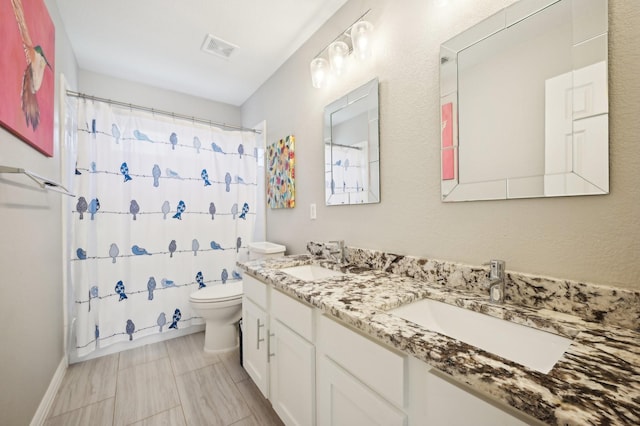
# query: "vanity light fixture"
{"type": "Point", "coordinates": [356, 38]}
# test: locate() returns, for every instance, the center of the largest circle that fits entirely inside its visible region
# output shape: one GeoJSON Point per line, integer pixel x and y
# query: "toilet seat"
{"type": "Point", "coordinates": [217, 293]}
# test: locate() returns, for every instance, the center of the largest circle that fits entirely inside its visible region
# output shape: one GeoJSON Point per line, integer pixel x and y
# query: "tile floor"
{"type": "Point", "coordinates": [169, 383]}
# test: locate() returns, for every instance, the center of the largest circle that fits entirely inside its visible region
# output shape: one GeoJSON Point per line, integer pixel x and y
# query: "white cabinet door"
{"type": "Point", "coordinates": [345, 401]}
{"type": "Point", "coordinates": [254, 344]}
{"type": "Point", "coordinates": [292, 376]}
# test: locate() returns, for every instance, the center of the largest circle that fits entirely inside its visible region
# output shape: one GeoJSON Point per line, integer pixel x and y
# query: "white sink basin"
{"type": "Point", "coordinates": [536, 349]}
{"type": "Point", "coordinates": [311, 272]}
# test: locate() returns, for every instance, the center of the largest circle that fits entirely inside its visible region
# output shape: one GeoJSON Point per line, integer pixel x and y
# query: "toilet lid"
{"type": "Point", "coordinates": [218, 292]}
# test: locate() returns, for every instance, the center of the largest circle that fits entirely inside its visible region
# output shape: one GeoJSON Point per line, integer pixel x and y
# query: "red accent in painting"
{"type": "Point", "coordinates": [39, 28]}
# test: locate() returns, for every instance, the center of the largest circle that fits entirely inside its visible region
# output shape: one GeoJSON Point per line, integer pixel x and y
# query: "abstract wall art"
{"type": "Point", "coordinates": [27, 58]}
{"type": "Point", "coordinates": [281, 174]}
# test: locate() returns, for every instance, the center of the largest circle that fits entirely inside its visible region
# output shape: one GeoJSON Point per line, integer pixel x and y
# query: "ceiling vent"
{"type": "Point", "coordinates": [218, 47]}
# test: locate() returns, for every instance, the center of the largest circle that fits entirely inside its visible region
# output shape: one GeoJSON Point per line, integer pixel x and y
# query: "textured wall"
{"type": "Point", "coordinates": [31, 265]}
{"type": "Point", "coordinates": [594, 238]}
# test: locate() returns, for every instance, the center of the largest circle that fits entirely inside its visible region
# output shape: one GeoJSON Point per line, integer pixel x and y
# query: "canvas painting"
{"type": "Point", "coordinates": [281, 174]}
{"type": "Point", "coordinates": [27, 58]}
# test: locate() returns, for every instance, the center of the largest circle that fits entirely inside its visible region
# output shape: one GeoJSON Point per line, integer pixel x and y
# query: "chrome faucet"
{"type": "Point", "coordinates": [339, 251]}
{"type": "Point", "coordinates": [496, 281]}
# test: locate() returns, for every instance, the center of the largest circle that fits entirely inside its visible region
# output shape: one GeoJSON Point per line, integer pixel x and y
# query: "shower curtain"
{"type": "Point", "coordinates": [164, 207]}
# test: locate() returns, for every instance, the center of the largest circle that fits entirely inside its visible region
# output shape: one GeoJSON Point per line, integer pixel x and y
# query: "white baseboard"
{"type": "Point", "coordinates": [47, 400]}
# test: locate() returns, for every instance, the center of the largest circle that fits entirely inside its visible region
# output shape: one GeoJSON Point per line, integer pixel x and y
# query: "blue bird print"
{"type": "Point", "coordinates": [240, 150]}
{"type": "Point", "coordinates": [120, 290]}
{"type": "Point", "coordinates": [139, 251]}
{"type": "Point", "coordinates": [172, 174]}
{"type": "Point", "coordinates": [337, 163]}
{"type": "Point", "coordinates": [212, 210]}
{"type": "Point", "coordinates": [216, 148]}
{"type": "Point", "coordinates": [155, 172]}
{"type": "Point", "coordinates": [96, 334]}
{"type": "Point", "coordinates": [93, 128]}
{"type": "Point", "coordinates": [200, 280]}
{"type": "Point", "coordinates": [346, 164]}
{"type": "Point", "coordinates": [238, 244]}
{"type": "Point", "coordinates": [141, 136]}
{"type": "Point", "coordinates": [173, 139]}
{"type": "Point", "coordinates": [235, 275]}
{"type": "Point", "coordinates": [197, 144]}
{"type": "Point", "coordinates": [124, 169]}
{"type": "Point", "coordinates": [115, 132]}
{"type": "Point", "coordinates": [195, 246]}
{"type": "Point", "coordinates": [179, 210]}
{"type": "Point", "coordinates": [227, 180]}
{"type": "Point", "coordinates": [224, 275]}
{"type": "Point", "coordinates": [205, 177]}
{"type": "Point", "coordinates": [162, 320]}
{"type": "Point", "coordinates": [245, 210]}
{"type": "Point", "coordinates": [130, 328]}
{"type": "Point", "coordinates": [82, 255]}
{"type": "Point", "coordinates": [176, 317]}
{"type": "Point", "coordinates": [216, 246]}
{"type": "Point", "coordinates": [234, 210]}
{"type": "Point", "coordinates": [113, 252]}
{"type": "Point", "coordinates": [172, 247]}
{"type": "Point", "coordinates": [166, 282]}
{"type": "Point", "coordinates": [93, 167]}
{"type": "Point", "coordinates": [93, 293]}
{"type": "Point", "coordinates": [94, 206]}
{"type": "Point", "coordinates": [239, 180]}
{"type": "Point", "coordinates": [151, 285]}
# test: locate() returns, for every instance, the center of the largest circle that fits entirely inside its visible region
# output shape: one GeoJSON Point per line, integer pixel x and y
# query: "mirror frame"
{"type": "Point", "coordinates": [349, 103]}
{"type": "Point", "coordinates": [585, 27]}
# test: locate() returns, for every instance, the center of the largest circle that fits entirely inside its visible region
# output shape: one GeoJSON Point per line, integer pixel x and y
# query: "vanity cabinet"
{"type": "Point", "coordinates": [278, 350]}
{"type": "Point", "coordinates": [359, 381]}
{"type": "Point", "coordinates": [317, 370]}
{"type": "Point", "coordinates": [254, 337]}
{"type": "Point", "coordinates": [292, 360]}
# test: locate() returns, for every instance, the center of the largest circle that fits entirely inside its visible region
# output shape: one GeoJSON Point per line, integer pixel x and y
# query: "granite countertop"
{"type": "Point", "coordinates": [596, 382]}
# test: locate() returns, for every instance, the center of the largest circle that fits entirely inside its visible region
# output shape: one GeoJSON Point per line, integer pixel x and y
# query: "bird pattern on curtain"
{"type": "Point", "coordinates": [164, 207]}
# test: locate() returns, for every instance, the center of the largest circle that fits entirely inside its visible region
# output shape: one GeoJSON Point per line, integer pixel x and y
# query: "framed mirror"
{"type": "Point", "coordinates": [352, 147]}
{"type": "Point", "coordinates": [524, 103]}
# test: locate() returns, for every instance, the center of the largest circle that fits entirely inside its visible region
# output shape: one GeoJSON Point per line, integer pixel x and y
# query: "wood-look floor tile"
{"type": "Point", "coordinates": [258, 404]}
{"type": "Point", "coordinates": [85, 383]}
{"type": "Point", "coordinates": [173, 417]}
{"type": "Point", "coordinates": [97, 414]}
{"type": "Point", "coordinates": [231, 361]}
{"type": "Point", "coordinates": [210, 398]}
{"type": "Point", "coordinates": [145, 390]}
{"type": "Point", "coordinates": [142, 354]}
{"type": "Point", "coordinates": [187, 353]}
{"type": "Point", "coordinates": [247, 421]}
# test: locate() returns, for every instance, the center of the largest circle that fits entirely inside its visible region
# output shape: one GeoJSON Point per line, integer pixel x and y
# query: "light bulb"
{"type": "Point", "coordinates": [338, 53]}
{"type": "Point", "coordinates": [361, 38]}
{"type": "Point", "coordinates": [319, 68]}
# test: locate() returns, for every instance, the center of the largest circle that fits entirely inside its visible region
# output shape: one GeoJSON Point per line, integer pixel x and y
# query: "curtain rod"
{"type": "Point", "coordinates": [160, 112]}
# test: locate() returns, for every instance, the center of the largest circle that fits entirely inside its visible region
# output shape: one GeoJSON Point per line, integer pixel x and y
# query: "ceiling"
{"type": "Point", "coordinates": [158, 42]}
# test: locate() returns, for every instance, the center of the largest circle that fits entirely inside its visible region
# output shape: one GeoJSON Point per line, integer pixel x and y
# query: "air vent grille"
{"type": "Point", "coordinates": [218, 47]}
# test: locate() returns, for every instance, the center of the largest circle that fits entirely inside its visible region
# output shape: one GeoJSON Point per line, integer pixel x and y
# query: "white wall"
{"type": "Point", "coordinates": [115, 89]}
{"type": "Point", "coordinates": [31, 264]}
{"type": "Point", "coordinates": [595, 238]}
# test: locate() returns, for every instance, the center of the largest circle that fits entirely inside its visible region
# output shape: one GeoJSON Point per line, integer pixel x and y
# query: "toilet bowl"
{"type": "Point", "coordinates": [220, 305]}
{"type": "Point", "coordinates": [221, 308]}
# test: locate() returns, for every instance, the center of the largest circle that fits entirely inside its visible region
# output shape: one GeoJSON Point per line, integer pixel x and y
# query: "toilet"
{"type": "Point", "coordinates": [221, 305]}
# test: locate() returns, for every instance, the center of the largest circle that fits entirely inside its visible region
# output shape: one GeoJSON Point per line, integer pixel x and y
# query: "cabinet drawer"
{"type": "Point", "coordinates": [380, 368]}
{"type": "Point", "coordinates": [296, 315]}
{"type": "Point", "coordinates": [255, 290]}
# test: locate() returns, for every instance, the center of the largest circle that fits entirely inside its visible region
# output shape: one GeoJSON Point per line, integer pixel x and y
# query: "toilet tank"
{"type": "Point", "coordinates": [265, 249]}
